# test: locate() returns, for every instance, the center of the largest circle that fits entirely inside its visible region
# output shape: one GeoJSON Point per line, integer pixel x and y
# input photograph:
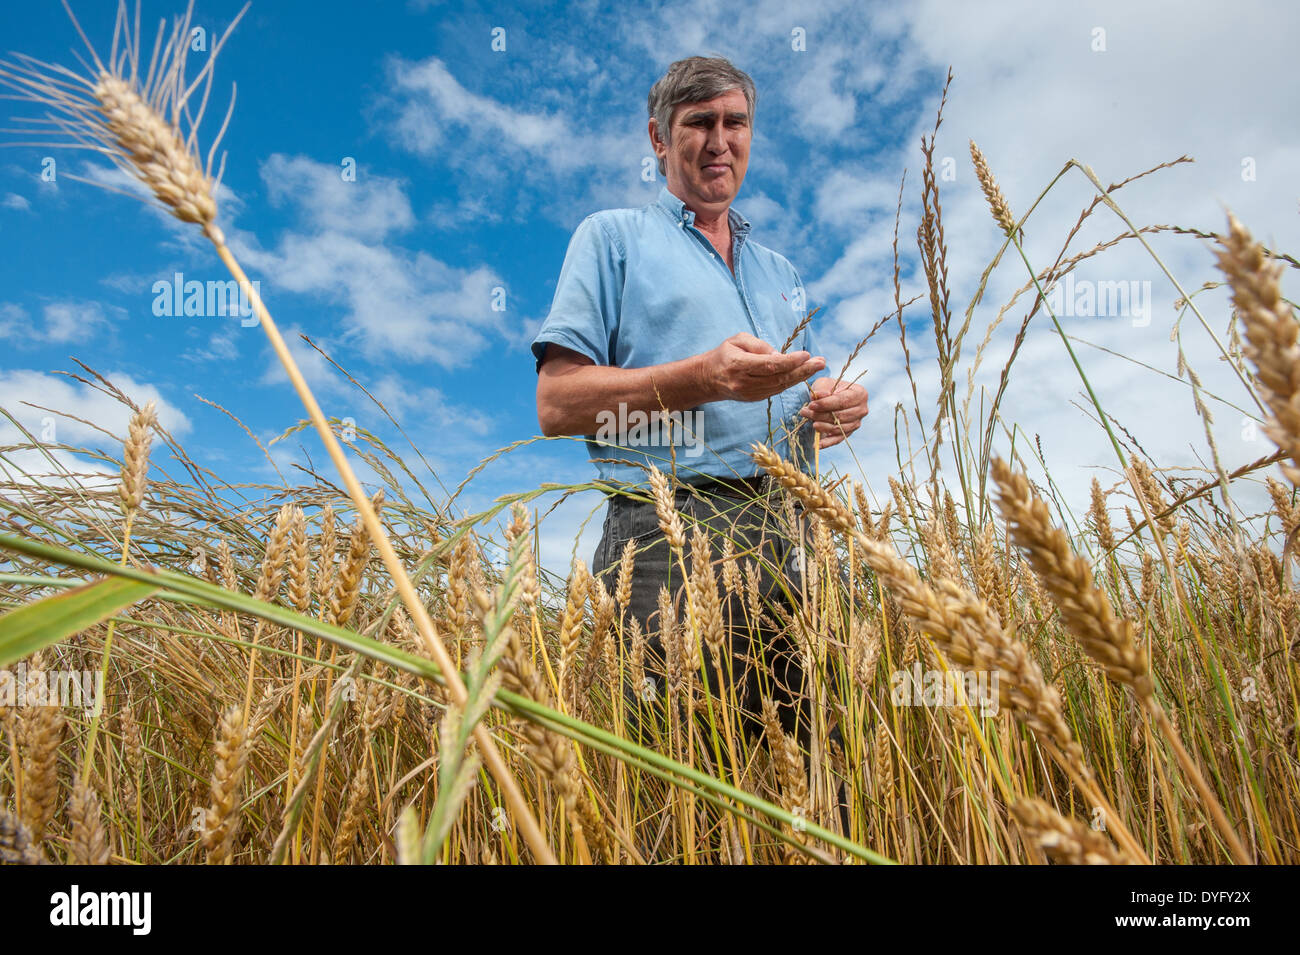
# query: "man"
{"type": "Point", "coordinates": [673, 306]}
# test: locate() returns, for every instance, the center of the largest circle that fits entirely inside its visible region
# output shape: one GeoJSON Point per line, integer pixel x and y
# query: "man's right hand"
{"type": "Point", "coordinates": [745, 368]}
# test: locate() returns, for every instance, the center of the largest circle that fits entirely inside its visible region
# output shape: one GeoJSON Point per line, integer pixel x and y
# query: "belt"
{"type": "Point", "coordinates": [756, 485]}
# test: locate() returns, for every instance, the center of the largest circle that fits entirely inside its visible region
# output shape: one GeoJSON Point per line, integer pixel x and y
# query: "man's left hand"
{"type": "Point", "coordinates": [836, 410]}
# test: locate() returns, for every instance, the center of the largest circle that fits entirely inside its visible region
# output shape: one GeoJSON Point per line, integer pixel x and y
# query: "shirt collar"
{"type": "Point", "coordinates": [676, 208]}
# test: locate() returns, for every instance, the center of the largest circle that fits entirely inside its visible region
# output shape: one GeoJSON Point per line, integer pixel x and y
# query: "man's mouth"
{"type": "Point", "coordinates": [717, 167]}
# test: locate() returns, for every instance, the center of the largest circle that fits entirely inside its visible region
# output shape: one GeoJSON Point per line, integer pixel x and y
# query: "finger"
{"type": "Point", "coordinates": [854, 414]}
{"type": "Point", "coordinates": [833, 403]}
{"type": "Point", "coordinates": [802, 373]}
{"type": "Point", "coordinates": [788, 375]}
{"type": "Point", "coordinates": [843, 400]}
{"type": "Point", "coordinates": [851, 415]}
{"type": "Point", "coordinates": [774, 365]}
{"type": "Point", "coordinates": [752, 344]}
{"type": "Point", "coordinates": [831, 427]}
{"type": "Point", "coordinates": [835, 432]}
{"type": "Point", "coordinates": [826, 386]}
{"type": "Point", "coordinates": [834, 427]}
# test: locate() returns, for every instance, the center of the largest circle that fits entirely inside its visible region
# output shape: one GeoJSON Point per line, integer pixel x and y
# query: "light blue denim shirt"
{"type": "Point", "coordinates": [642, 287]}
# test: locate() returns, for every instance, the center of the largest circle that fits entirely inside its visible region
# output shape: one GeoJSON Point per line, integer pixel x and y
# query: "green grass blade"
{"type": "Point", "coordinates": [37, 625]}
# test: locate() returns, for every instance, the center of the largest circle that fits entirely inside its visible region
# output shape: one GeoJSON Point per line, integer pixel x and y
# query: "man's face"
{"type": "Point", "coordinates": [709, 151]}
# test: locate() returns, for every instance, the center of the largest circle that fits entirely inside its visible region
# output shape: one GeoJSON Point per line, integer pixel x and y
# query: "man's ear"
{"type": "Point", "coordinates": [656, 141]}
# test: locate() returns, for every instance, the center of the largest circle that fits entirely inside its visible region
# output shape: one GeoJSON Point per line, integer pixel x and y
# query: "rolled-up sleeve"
{"type": "Point", "coordinates": [584, 312]}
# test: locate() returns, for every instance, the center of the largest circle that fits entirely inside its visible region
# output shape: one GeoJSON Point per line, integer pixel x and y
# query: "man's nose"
{"type": "Point", "coordinates": [717, 141]}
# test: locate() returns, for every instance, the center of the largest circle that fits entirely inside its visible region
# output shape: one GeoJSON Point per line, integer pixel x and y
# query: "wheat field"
{"type": "Point", "coordinates": [337, 674]}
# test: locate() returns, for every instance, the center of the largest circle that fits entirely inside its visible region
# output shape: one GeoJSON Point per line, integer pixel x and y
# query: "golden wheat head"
{"type": "Point", "coordinates": [1271, 332]}
{"type": "Point", "coordinates": [133, 113]}
{"type": "Point", "coordinates": [998, 204]}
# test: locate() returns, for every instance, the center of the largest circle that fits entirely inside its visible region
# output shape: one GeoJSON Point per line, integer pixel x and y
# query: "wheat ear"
{"type": "Point", "coordinates": [791, 773]}
{"type": "Point", "coordinates": [1271, 331]}
{"type": "Point", "coordinates": [998, 204]}
{"type": "Point", "coordinates": [16, 845]}
{"type": "Point", "coordinates": [40, 729]}
{"type": "Point", "coordinates": [222, 817]}
{"type": "Point", "coordinates": [1087, 613]}
{"type": "Point", "coordinates": [87, 845]}
{"type": "Point", "coordinates": [1066, 841]}
{"type": "Point", "coordinates": [1085, 610]}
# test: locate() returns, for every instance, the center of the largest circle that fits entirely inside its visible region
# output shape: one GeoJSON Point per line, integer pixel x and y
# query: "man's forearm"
{"type": "Point", "coordinates": [573, 397]}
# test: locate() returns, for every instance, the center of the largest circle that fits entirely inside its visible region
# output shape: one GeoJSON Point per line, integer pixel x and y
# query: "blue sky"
{"type": "Point", "coordinates": [474, 165]}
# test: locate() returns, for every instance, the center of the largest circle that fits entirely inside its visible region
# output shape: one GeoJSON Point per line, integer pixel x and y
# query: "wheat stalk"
{"type": "Point", "coordinates": [704, 586]}
{"type": "Point", "coordinates": [353, 814]}
{"type": "Point", "coordinates": [795, 797]}
{"type": "Point", "coordinates": [670, 522]}
{"type": "Point", "coordinates": [131, 489]}
{"type": "Point", "coordinates": [135, 459]}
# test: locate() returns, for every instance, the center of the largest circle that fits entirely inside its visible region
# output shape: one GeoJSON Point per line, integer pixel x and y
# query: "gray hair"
{"type": "Point", "coordinates": [692, 80]}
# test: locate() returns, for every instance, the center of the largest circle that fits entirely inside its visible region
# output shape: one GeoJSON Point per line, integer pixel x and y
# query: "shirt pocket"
{"type": "Point", "coordinates": [778, 318]}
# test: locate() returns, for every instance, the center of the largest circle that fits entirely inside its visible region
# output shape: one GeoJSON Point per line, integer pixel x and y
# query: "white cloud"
{"type": "Point", "coordinates": [555, 162]}
{"type": "Point", "coordinates": [65, 395]}
{"type": "Point", "coordinates": [72, 321]}
{"type": "Point", "coordinates": [452, 103]}
{"type": "Point", "coordinates": [847, 197]}
{"type": "Point", "coordinates": [56, 409]}
{"type": "Point", "coordinates": [822, 105]}
{"type": "Point", "coordinates": [400, 304]}
{"type": "Point", "coordinates": [13, 320]}
{"type": "Point", "coordinates": [430, 409]}
{"type": "Point", "coordinates": [12, 200]}
{"type": "Point", "coordinates": [369, 207]}
{"type": "Point", "coordinates": [219, 345]}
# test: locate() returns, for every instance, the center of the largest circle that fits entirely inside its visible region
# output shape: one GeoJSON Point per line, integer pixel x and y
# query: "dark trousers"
{"type": "Point", "coordinates": [764, 662]}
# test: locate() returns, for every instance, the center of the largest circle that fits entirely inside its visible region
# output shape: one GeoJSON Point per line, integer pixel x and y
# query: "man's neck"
{"type": "Point", "coordinates": [716, 227]}
{"type": "Point", "coordinates": [712, 222]}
